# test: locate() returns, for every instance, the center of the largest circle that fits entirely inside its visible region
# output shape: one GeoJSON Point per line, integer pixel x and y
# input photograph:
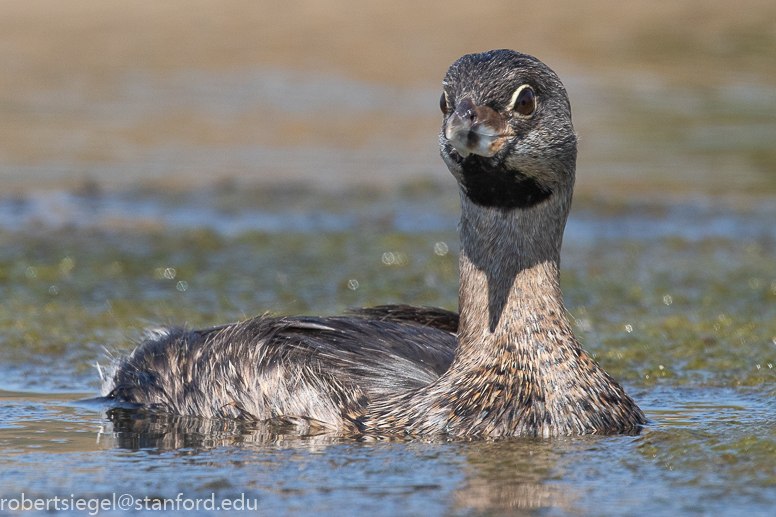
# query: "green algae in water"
{"type": "Point", "coordinates": [69, 294]}
{"type": "Point", "coordinates": [687, 324]}
{"type": "Point", "coordinates": [701, 313]}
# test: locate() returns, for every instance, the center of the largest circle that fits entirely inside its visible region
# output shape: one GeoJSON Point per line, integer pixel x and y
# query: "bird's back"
{"type": "Point", "coordinates": [325, 370]}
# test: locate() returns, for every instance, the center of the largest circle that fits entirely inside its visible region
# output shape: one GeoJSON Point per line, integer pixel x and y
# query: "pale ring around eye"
{"type": "Point", "coordinates": [523, 101]}
{"type": "Point", "coordinates": [443, 102]}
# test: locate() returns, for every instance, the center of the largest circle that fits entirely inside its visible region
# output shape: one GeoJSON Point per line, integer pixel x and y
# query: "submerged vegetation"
{"type": "Point", "coordinates": [683, 314]}
{"type": "Point", "coordinates": [669, 310]}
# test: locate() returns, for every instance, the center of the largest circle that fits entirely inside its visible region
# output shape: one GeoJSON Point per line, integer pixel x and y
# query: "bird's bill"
{"type": "Point", "coordinates": [473, 129]}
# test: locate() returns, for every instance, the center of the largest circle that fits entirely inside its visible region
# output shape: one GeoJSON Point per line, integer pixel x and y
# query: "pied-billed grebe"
{"type": "Point", "coordinates": [509, 366]}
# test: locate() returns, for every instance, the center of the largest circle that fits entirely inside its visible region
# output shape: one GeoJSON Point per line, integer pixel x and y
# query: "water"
{"type": "Point", "coordinates": [675, 299]}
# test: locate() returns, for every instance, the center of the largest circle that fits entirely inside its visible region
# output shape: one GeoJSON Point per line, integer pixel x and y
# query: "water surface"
{"type": "Point", "coordinates": [675, 299]}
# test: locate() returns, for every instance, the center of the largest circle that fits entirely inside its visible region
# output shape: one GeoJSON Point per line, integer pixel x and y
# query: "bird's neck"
{"type": "Point", "coordinates": [509, 296]}
{"type": "Point", "coordinates": [517, 369]}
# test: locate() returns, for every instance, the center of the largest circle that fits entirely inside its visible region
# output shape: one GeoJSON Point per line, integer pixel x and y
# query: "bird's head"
{"type": "Point", "coordinates": [507, 134]}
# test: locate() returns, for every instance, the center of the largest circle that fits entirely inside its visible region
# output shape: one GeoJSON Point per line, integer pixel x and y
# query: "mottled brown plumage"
{"type": "Point", "coordinates": [508, 366]}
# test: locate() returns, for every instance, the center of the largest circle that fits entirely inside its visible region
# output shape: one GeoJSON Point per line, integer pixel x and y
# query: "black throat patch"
{"type": "Point", "coordinates": [496, 188]}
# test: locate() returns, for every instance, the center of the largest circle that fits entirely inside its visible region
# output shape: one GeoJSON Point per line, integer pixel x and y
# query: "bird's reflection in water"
{"type": "Point", "coordinates": [513, 477]}
{"type": "Point", "coordinates": [507, 476]}
{"type": "Point", "coordinates": [160, 432]}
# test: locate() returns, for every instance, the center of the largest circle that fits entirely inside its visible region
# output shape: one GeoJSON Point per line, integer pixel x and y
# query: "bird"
{"type": "Point", "coordinates": [506, 365]}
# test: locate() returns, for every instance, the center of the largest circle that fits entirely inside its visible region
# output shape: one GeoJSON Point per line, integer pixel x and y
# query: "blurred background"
{"type": "Point", "coordinates": [668, 97]}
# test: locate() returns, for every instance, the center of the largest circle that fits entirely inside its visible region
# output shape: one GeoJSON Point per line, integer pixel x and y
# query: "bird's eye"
{"type": "Point", "coordinates": [443, 103]}
{"type": "Point", "coordinates": [523, 101]}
